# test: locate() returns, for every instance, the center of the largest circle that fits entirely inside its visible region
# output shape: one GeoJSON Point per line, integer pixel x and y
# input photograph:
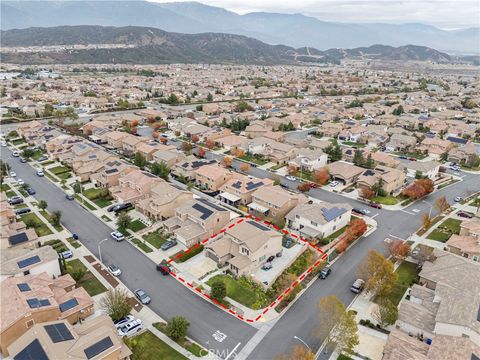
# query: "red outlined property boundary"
{"type": "Point", "coordinates": [264, 311]}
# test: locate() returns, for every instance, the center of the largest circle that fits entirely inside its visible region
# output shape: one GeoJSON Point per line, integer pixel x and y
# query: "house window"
{"type": "Point", "coordinates": [30, 323]}
{"type": "Point", "coordinates": [313, 223]}
{"type": "Point", "coordinates": [297, 216]}
{"type": "Point", "coordinates": [475, 258]}
{"type": "Point", "coordinates": [335, 228]}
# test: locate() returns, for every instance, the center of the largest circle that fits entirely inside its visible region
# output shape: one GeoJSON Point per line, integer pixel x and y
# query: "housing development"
{"type": "Point", "coordinates": [308, 211]}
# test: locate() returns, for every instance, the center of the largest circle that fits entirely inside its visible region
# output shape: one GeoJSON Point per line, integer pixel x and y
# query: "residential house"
{"type": "Point", "coordinates": [96, 338]}
{"type": "Point", "coordinates": [463, 154]}
{"type": "Point", "coordinates": [90, 163]}
{"type": "Point", "coordinates": [428, 169]}
{"type": "Point", "coordinates": [435, 147]}
{"type": "Point", "coordinates": [244, 247]}
{"type": "Point", "coordinates": [392, 179]}
{"type": "Point", "coordinates": [274, 202]}
{"type": "Point", "coordinates": [345, 172]}
{"type": "Point", "coordinates": [14, 234]}
{"type": "Point", "coordinates": [383, 159]}
{"type": "Point", "coordinates": [111, 172]}
{"type": "Point", "coordinates": [188, 167]}
{"type": "Point", "coordinates": [130, 143]}
{"type": "Point", "coordinates": [257, 129]}
{"type": "Point", "coordinates": [467, 243]}
{"type": "Point", "coordinates": [279, 153]}
{"type": "Point", "coordinates": [61, 145]}
{"type": "Point", "coordinates": [330, 129]}
{"type": "Point", "coordinates": [309, 160]}
{"type": "Point", "coordinates": [209, 178]}
{"type": "Point", "coordinates": [162, 201]}
{"type": "Point", "coordinates": [239, 190]}
{"type": "Point", "coordinates": [195, 221]}
{"type": "Point", "coordinates": [19, 262]}
{"type": "Point", "coordinates": [32, 299]}
{"type": "Point", "coordinates": [169, 155]}
{"type": "Point", "coordinates": [147, 149]}
{"type": "Point", "coordinates": [230, 142]}
{"type": "Point", "coordinates": [400, 142]}
{"type": "Point", "coordinates": [318, 220]}
{"type": "Point", "coordinates": [115, 138]}
{"type": "Point", "coordinates": [134, 185]}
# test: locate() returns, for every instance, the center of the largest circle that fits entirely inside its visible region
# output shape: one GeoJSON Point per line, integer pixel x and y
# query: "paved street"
{"type": "Point", "coordinates": [168, 297]}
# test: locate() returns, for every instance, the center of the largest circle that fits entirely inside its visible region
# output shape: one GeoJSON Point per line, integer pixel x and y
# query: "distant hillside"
{"type": "Point", "coordinates": [295, 30]}
{"type": "Point", "coordinates": [140, 45]}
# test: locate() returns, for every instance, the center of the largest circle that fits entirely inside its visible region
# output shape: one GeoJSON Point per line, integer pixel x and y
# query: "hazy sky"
{"type": "Point", "coordinates": [447, 14]}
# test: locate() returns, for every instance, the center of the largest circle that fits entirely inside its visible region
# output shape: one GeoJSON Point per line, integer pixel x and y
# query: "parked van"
{"type": "Point", "coordinates": [357, 286]}
{"type": "Point", "coordinates": [130, 328]}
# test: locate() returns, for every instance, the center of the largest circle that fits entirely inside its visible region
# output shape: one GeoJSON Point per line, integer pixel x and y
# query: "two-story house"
{"type": "Point", "coordinates": [239, 190]}
{"type": "Point", "coordinates": [274, 202]}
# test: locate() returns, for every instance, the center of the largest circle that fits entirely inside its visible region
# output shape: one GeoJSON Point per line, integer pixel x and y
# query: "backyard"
{"type": "Point", "coordinates": [88, 281]}
{"type": "Point", "coordinates": [237, 290]}
{"type": "Point", "coordinates": [33, 221]}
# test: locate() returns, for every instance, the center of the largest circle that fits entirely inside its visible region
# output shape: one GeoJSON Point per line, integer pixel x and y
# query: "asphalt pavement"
{"type": "Point", "coordinates": [169, 298]}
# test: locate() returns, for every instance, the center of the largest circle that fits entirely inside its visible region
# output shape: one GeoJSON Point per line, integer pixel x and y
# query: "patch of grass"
{"type": "Point", "coordinates": [40, 227]}
{"type": "Point", "coordinates": [86, 203]}
{"type": "Point", "coordinates": [452, 225]}
{"type": "Point", "coordinates": [106, 218]}
{"type": "Point", "coordinates": [353, 144]}
{"type": "Point", "coordinates": [407, 273]}
{"type": "Point", "coordinates": [434, 221]}
{"type": "Point", "coordinates": [278, 166]}
{"type": "Point", "coordinates": [74, 242]}
{"type": "Point", "coordinates": [48, 216]}
{"type": "Point", "coordinates": [89, 282]}
{"type": "Point", "coordinates": [236, 290]}
{"type": "Point", "coordinates": [101, 203]}
{"type": "Point", "coordinates": [47, 162]}
{"type": "Point", "coordinates": [17, 141]}
{"type": "Point", "coordinates": [57, 245]}
{"type": "Point", "coordinates": [5, 187]}
{"type": "Point", "coordinates": [20, 206]}
{"type": "Point", "coordinates": [343, 357]}
{"type": "Point", "coordinates": [156, 239]}
{"type": "Point", "coordinates": [10, 193]}
{"type": "Point", "coordinates": [37, 154]}
{"type": "Point", "coordinates": [151, 347]}
{"type": "Point", "coordinates": [64, 176]}
{"type": "Point", "coordinates": [142, 246]}
{"type": "Point", "coordinates": [438, 235]}
{"type": "Point", "coordinates": [136, 225]}
{"type": "Point", "coordinates": [333, 236]}
{"type": "Point", "coordinates": [385, 200]}
{"type": "Point", "coordinates": [56, 170]}
{"type": "Point", "coordinates": [254, 159]}
{"type": "Point", "coordinates": [50, 176]}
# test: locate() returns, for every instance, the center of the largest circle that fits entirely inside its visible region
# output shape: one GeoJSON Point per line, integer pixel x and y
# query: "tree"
{"type": "Point", "coordinates": [218, 290]}
{"type": "Point", "coordinates": [358, 159]}
{"type": "Point", "coordinates": [321, 176]}
{"type": "Point", "coordinates": [245, 167]}
{"type": "Point", "coordinates": [334, 152]}
{"type": "Point", "coordinates": [398, 249]}
{"type": "Point", "coordinates": [414, 191]}
{"type": "Point", "coordinates": [242, 106]}
{"type": "Point", "coordinates": [209, 97]}
{"type": "Point", "coordinates": [42, 205]}
{"type": "Point", "coordinates": [123, 221]}
{"type": "Point", "coordinates": [426, 184]}
{"type": "Point", "coordinates": [303, 187]}
{"type": "Point", "coordinates": [27, 153]}
{"type": "Point", "coordinates": [356, 228]}
{"type": "Point", "coordinates": [337, 326]}
{"type": "Point", "coordinates": [172, 99]}
{"type": "Point", "coordinates": [201, 152]}
{"type": "Point", "coordinates": [161, 169]}
{"type": "Point", "coordinates": [276, 181]}
{"type": "Point", "coordinates": [77, 273]}
{"type": "Point", "coordinates": [163, 140]}
{"type": "Point", "coordinates": [426, 221]}
{"type": "Point", "coordinates": [386, 312]}
{"type": "Point", "coordinates": [186, 147]}
{"type": "Point", "coordinates": [378, 188]}
{"type": "Point", "coordinates": [377, 271]}
{"type": "Point", "coordinates": [366, 193]}
{"type": "Point", "coordinates": [195, 139]}
{"type": "Point", "coordinates": [441, 204]}
{"type": "Point", "coordinates": [227, 161]}
{"type": "Point", "coordinates": [116, 303]}
{"type": "Point", "coordinates": [292, 170]}
{"type": "Point", "coordinates": [369, 163]}
{"type": "Point", "coordinates": [299, 352]}
{"type": "Point", "coordinates": [444, 156]}
{"type": "Point", "coordinates": [210, 144]}
{"type": "Point", "coordinates": [473, 161]}
{"type": "Point", "coordinates": [77, 188]}
{"type": "Point", "coordinates": [177, 327]}
{"type": "Point", "coordinates": [137, 347]}
{"type": "Point", "coordinates": [140, 160]}
{"type": "Point", "coordinates": [56, 217]}
{"type": "Point", "coordinates": [398, 111]}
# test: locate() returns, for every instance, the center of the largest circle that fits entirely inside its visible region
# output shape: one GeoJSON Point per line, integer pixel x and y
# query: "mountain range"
{"type": "Point", "coordinates": [294, 30]}
{"type": "Point", "coordinates": [90, 44]}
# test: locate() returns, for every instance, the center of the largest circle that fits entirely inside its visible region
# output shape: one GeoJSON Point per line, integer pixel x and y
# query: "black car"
{"type": "Point", "coordinates": [271, 258]}
{"type": "Point", "coordinates": [165, 270]}
{"type": "Point", "coordinates": [359, 211]}
{"type": "Point", "coordinates": [168, 245]}
{"type": "Point", "coordinates": [69, 197]}
{"type": "Point", "coordinates": [30, 191]}
{"type": "Point", "coordinates": [465, 214]}
{"type": "Point", "coordinates": [122, 207]}
{"type": "Point", "coordinates": [403, 157]}
{"type": "Point", "coordinates": [325, 272]}
{"type": "Point", "coordinates": [22, 211]}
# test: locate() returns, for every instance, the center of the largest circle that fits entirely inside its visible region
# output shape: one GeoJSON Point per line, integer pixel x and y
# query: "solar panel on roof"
{"type": "Point", "coordinates": [67, 305]}
{"type": "Point", "coordinates": [33, 351]}
{"type": "Point", "coordinates": [330, 214]}
{"type": "Point", "coordinates": [98, 347]}
{"type": "Point", "coordinates": [368, 173]}
{"type": "Point", "coordinates": [23, 287]}
{"type": "Point", "coordinates": [27, 262]}
{"type": "Point", "coordinates": [251, 185]}
{"type": "Point", "coordinates": [205, 212]}
{"type": "Point", "coordinates": [258, 226]}
{"type": "Point", "coordinates": [18, 238]}
{"type": "Point", "coordinates": [212, 205]}
{"type": "Point", "coordinates": [44, 302]}
{"type": "Point", "coordinates": [237, 185]}
{"type": "Point", "coordinates": [58, 332]}
{"type": "Point", "coordinates": [474, 357]}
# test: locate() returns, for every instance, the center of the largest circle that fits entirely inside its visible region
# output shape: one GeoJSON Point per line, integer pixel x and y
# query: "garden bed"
{"type": "Point", "coordinates": [241, 291]}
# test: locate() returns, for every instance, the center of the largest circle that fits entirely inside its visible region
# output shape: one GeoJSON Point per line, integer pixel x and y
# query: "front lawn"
{"type": "Point", "coordinates": [254, 159]}
{"type": "Point", "coordinates": [452, 225]}
{"type": "Point", "coordinates": [100, 196]}
{"type": "Point", "coordinates": [385, 200]}
{"type": "Point", "coordinates": [74, 242]}
{"type": "Point", "coordinates": [57, 245]}
{"type": "Point", "coordinates": [156, 238]}
{"type": "Point", "coordinates": [136, 225]}
{"type": "Point", "coordinates": [48, 216]}
{"type": "Point", "coordinates": [445, 230]}
{"type": "Point", "coordinates": [5, 187]}
{"type": "Point", "coordinates": [236, 290]}
{"type": "Point", "coordinates": [150, 346]}
{"type": "Point", "coordinates": [37, 154]}
{"type": "Point", "coordinates": [195, 349]}
{"type": "Point", "coordinates": [33, 221]}
{"type": "Point", "coordinates": [89, 282]}
{"type": "Point", "coordinates": [407, 273]}
{"type": "Point", "coordinates": [438, 235]}
{"type": "Point", "coordinates": [333, 236]}
{"type": "Point", "coordinates": [59, 170]}
{"type": "Point", "coordinates": [142, 246]}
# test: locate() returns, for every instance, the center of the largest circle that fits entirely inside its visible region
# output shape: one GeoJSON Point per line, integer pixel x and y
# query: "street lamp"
{"type": "Point", "coordinates": [431, 207]}
{"type": "Point", "coordinates": [303, 342]}
{"type": "Point", "coordinates": [100, 250]}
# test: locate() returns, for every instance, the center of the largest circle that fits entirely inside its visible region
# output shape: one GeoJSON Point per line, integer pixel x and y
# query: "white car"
{"type": "Point", "coordinates": [456, 173]}
{"type": "Point", "coordinates": [291, 178]}
{"type": "Point", "coordinates": [334, 183]}
{"type": "Point", "coordinates": [15, 154]}
{"type": "Point", "coordinates": [13, 174]}
{"type": "Point", "coordinates": [67, 254]}
{"type": "Point", "coordinates": [3, 143]}
{"type": "Point", "coordinates": [114, 270]}
{"type": "Point", "coordinates": [21, 182]}
{"type": "Point", "coordinates": [40, 173]}
{"type": "Point", "coordinates": [130, 328]}
{"type": "Point", "coordinates": [117, 236]}
{"type": "Point", "coordinates": [458, 199]}
{"type": "Point", "coordinates": [125, 320]}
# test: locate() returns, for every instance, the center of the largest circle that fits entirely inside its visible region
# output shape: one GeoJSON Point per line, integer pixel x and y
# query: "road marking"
{"type": "Point", "coordinates": [407, 212]}
{"type": "Point", "coordinates": [396, 237]}
{"type": "Point", "coordinates": [416, 210]}
{"type": "Point", "coordinates": [219, 336]}
{"type": "Point", "coordinates": [233, 351]}
{"type": "Point", "coordinates": [373, 217]}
